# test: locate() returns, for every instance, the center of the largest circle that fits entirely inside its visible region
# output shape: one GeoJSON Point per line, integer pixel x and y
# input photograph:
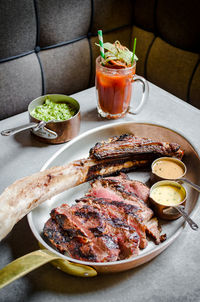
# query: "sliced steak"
{"type": "Point", "coordinates": [56, 235]}
{"type": "Point", "coordinates": [115, 225]}
{"type": "Point", "coordinates": [109, 223]}
{"type": "Point", "coordinates": [124, 235]}
{"type": "Point", "coordinates": [121, 214]}
{"type": "Point", "coordinates": [94, 223]}
{"type": "Point", "coordinates": [115, 190]}
{"type": "Point", "coordinates": [154, 230]}
{"type": "Point", "coordinates": [134, 187]}
{"type": "Point", "coordinates": [139, 214]}
{"type": "Point", "coordinates": [131, 146]}
{"type": "Point", "coordinates": [79, 221]}
{"type": "Point", "coordinates": [80, 248]}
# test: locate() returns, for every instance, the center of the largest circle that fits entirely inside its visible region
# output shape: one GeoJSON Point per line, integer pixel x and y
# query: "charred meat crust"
{"type": "Point", "coordinates": [64, 243]}
{"type": "Point", "coordinates": [127, 208]}
{"type": "Point", "coordinates": [121, 214]}
{"type": "Point", "coordinates": [98, 249]}
{"type": "Point", "coordinates": [115, 190]}
{"type": "Point", "coordinates": [134, 147]}
{"type": "Point", "coordinates": [153, 230]}
{"type": "Point", "coordinates": [115, 226]}
{"type": "Point", "coordinates": [93, 227]}
{"type": "Point", "coordinates": [141, 216]}
{"type": "Point", "coordinates": [132, 187]}
{"type": "Point", "coordinates": [119, 188]}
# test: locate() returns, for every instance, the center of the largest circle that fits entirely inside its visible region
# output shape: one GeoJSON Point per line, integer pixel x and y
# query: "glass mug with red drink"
{"type": "Point", "coordinates": [114, 83]}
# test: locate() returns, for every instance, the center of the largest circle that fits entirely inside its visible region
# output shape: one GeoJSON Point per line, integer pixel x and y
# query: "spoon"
{"type": "Point", "coordinates": [191, 223]}
{"type": "Point", "coordinates": [183, 213]}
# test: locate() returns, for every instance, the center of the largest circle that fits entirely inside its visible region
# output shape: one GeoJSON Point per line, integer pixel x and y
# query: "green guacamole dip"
{"type": "Point", "coordinates": [53, 111]}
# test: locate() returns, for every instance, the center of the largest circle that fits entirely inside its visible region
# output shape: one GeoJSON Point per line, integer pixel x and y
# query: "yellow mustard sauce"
{"type": "Point", "coordinates": [168, 169]}
{"type": "Point", "coordinates": [167, 195]}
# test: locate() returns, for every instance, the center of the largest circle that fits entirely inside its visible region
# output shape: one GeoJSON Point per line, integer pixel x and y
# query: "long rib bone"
{"type": "Point", "coordinates": [27, 193]}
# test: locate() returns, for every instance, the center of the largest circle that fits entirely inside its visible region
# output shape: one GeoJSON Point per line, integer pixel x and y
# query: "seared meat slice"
{"type": "Point", "coordinates": [140, 213]}
{"type": "Point", "coordinates": [127, 236]}
{"type": "Point", "coordinates": [80, 222]}
{"type": "Point", "coordinates": [114, 190]}
{"type": "Point", "coordinates": [121, 213]}
{"type": "Point", "coordinates": [133, 147]}
{"type": "Point", "coordinates": [56, 235]}
{"type": "Point", "coordinates": [153, 230]}
{"type": "Point", "coordinates": [134, 187]}
{"type": "Point", "coordinates": [80, 248]}
{"type": "Point", "coordinates": [90, 222]}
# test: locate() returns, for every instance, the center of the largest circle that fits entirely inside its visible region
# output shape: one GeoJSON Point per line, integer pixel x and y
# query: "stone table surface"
{"type": "Point", "coordinates": [174, 275]}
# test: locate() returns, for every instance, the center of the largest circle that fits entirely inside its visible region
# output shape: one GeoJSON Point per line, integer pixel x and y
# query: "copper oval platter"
{"type": "Point", "coordinates": [79, 148]}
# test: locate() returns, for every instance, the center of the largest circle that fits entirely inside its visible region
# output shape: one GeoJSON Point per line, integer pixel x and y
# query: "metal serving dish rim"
{"type": "Point", "coordinates": [157, 250]}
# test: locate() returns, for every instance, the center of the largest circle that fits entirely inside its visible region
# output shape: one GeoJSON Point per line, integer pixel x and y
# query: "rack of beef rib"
{"type": "Point", "coordinates": [117, 154]}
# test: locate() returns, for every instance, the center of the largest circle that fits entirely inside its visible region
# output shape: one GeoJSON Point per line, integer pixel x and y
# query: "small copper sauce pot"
{"type": "Point", "coordinates": [181, 178]}
{"type": "Point", "coordinates": [56, 132]}
{"type": "Point", "coordinates": [168, 212]}
{"type": "Point", "coordinates": [155, 177]}
{"type": "Point", "coordinates": [51, 132]}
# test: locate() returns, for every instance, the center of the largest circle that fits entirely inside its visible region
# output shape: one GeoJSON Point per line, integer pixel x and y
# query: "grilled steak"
{"type": "Point", "coordinates": [124, 153]}
{"type": "Point", "coordinates": [140, 212]}
{"type": "Point", "coordinates": [111, 222]}
{"type": "Point", "coordinates": [121, 213]}
{"type": "Point", "coordinates": [80, 247]}
{"type": "Point", "coordinates": [88, 224]}
{"type": "Point", "coordinates": [134, 187]}
{"type": "Point", "coordinates": [134, 147]}
{"type": "Point", "coordinates": [153, 230]}
{"type": "Point", "coordinates": [109, 189]}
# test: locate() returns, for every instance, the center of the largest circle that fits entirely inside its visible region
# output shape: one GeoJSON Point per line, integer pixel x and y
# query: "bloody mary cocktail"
{"type": "Point", "coordinates": [114, 89]}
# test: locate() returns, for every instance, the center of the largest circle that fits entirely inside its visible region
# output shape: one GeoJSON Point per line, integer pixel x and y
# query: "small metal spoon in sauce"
{"type": "Point", "coordinates": [172, 206]}
{"type": "Point", "coordinates": [191, 223]}
{"type": "Point", "coordinates": [171, 168]}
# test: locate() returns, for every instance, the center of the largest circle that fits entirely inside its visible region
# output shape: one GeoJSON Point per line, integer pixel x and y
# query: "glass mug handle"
{"type": "Point", "coordinates": [145, 94]}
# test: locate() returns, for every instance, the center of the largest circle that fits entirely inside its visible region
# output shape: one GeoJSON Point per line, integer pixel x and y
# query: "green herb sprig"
{"type": "Point", "coordinates": [118, 52]}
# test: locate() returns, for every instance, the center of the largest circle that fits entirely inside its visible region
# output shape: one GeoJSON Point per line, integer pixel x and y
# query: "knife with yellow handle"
{"type": "Point", "coordinates": [33, 260]}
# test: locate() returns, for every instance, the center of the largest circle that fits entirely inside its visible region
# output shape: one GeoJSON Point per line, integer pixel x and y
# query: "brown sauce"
{"type": "Point", "coordinates": [168, 169]}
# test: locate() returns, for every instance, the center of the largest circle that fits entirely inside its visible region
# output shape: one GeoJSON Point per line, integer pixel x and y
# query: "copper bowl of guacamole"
{"type": "Point", "coordinates": [61, 117]}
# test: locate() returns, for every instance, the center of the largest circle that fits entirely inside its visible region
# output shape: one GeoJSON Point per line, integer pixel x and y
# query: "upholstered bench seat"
{"type": "Point", "coordinates": [48, 46]}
